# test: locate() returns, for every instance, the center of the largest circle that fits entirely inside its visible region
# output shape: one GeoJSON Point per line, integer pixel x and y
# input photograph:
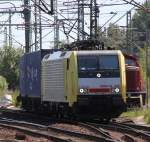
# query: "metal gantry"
{"type": "Point", "coordinates": [5, 37]}
{"type": "Point", "coordinates": [37, 26]}
{"type": "Point", "coordinates": [56, 25]}
{"type": "Point", "coordinates": [129, 32]}
{"type": "Point", "coordinates": [10, 30]}
{"type": "Point", "coordinates": [27, 17]}
{"type": "Point", "coordinates": [8, 23]}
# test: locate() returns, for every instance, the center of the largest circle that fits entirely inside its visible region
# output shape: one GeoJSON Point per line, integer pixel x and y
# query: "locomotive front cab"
{"type": "Point", "coordinates": [100, 78]}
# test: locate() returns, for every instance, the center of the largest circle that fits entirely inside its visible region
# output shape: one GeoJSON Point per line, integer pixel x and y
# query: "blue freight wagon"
{"type": "Point", "coordinates": [30, 75]}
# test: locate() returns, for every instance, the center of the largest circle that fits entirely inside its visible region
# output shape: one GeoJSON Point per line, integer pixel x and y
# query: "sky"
{"type": "Point", "coordinates": [48, 34]}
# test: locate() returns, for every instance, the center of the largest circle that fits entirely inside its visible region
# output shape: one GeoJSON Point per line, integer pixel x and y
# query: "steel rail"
{"type": "Point", "coordinates": [100, 130]}
{"type": "Point", "coordinates": [97, 130]}
{"type": "Point", "coordinates": [123, 128]}
{"type": "Point", "coordinates": [34, 132]}
{"type": "Point", "coordinates": [138, 127]}
{"type": "Point", "coordinates": [144, 130]}
{"type": "Point", "coordinates": [81, 135]}
{"type": "Point", "coordinates": [125, 137]}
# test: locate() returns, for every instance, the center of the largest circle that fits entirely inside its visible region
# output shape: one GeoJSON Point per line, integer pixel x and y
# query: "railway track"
{"type": "Point", "coordinates": [53, 133]}
{"type": "Point", "coordinates": [138, 127]}
{"type": "Point", "coordinates": [114, 131]}
{"type": "Point", "coordinates": [98, 131]}
{"type": "Point", "coordinates": [143, 131]}
{"type": "Point", "coordinates": [131, 132]}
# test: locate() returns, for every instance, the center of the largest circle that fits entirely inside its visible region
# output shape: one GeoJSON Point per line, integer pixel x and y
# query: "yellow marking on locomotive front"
{"type": "Point", "coordinates": [71, 84]}
{"type": "Point", "coordinates": [122, 75]}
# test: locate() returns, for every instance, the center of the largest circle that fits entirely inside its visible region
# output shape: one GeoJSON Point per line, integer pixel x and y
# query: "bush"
{"type": "Point", "coordinates": [9, 65]}
{"type": "Point", "coordinates": [138, 112]}
{"type": "Point", "coordinates": [3, 83]}
{"type": "Point", "coordinates": [15, 94]}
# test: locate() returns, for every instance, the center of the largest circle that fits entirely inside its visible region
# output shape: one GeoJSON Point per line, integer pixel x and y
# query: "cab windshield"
{"type": "Point", "coordinates": [88, 63]}
{"type": "Point", "coordinates": [108, 62]}
{"type": "Point", "coordinates": [97, 62]}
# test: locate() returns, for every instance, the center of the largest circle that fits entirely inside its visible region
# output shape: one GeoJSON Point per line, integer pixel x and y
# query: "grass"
{"type": "Point", "coordinates": [3, 85]}
{"type": "Point", "coordinates": [1, 92]}
{"type": "Point", "coordinates": [14, 98]}
{"type": "Point", "coordinates": [136, 112]}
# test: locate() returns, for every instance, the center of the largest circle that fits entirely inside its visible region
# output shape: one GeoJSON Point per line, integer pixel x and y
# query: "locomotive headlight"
{"type": "Point", "coordinates": [81, 90]}
{"type": "Point", "coordinates": [117, 90]}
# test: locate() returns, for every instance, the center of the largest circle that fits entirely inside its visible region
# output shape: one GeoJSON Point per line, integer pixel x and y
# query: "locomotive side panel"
{"type": "Point", "coordinates": [135, 81]}
{"type": "Point", "coordinates": [53, 81]}
{"type": "Point", "coordinates": [136, 92]}
{"type": "Point", "coordinates": [59, 77]}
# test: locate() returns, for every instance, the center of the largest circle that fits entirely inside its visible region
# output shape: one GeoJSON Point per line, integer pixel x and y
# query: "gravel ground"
{"type": "Point", "coordinates": [73, 128]}
{"type": "Point", "coordinates": [139, 120]}
{"type": "Point", "coordinates": [12, 135]}
{"type": "Point", "coordinates": [117, 135]}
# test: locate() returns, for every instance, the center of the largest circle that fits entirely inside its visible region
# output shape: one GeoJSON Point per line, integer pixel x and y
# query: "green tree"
{"type": "Point", "coordinates": [115, 37]}
{"type": "Point", "coordinates": [141, 19]}
{"type": "Point", "coordinates": [141, 22]}
{"type": "Point", "coordinates": [141, 25]}
{"type": "Point", "coordinates": [9, 62]}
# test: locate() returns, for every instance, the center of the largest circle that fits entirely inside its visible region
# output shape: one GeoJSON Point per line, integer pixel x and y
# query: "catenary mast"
{"type": "Point", "coordinates": [94, 15]}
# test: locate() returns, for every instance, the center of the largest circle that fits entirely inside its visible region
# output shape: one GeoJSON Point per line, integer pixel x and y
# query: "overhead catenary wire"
{"type": "Point", "coordinates": [108, 20]}
{"type": "Point", "coordinates": [119, 18]}
{"type": "Point", "coordinates": [134, 3]}
{"type": "Point", "coordinates": [11, 10]}
{"type": "Point", "coordinates": [73, 24]}
{"type": "Point", "coordinates": [48, 21]}
{"type": "Point", "coordinates": [15, 40]}
{"type": "Point", "coordinates": [123, 16]}
{"type": "Point", "coordinates": [42, 38]}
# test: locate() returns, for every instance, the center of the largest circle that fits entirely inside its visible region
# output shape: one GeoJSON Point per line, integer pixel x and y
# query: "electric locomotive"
{"type": "Point", "coordinates": [89, 83]}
